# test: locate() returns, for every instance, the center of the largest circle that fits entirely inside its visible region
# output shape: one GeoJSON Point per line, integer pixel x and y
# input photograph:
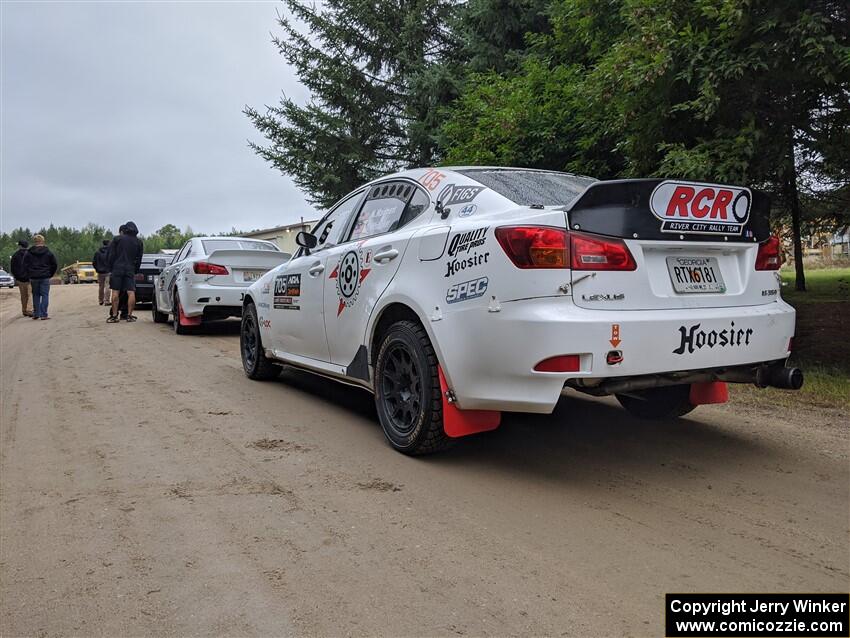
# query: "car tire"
{"type": "Point", "coordinates": [158, 317]}
{"type": "Point", "coordinates": [179, 328]}
{"type": "Point", "coordinates": [256, 364]}
{"type": "Point", "coordinates": [407, 391]}
{"type": "Point", "coordinates": [658, 403]}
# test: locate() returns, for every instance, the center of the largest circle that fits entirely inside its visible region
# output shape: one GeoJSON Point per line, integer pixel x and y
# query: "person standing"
{"type": "Point", "coordinates": [101, 266]}
{"type": "Point", "coordinates": [125, 260]}
{"type": "Point", "coordinates": [21, 278]}
{"type": "Point", "coordinates": [40, 265]}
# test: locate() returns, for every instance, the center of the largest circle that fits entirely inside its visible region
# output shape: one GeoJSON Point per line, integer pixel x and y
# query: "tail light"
{"type": "Point", "coordinates": [534, 246]}
{"type": "Point", "coordinates": [591, 252]}
{"type": "Point", "coordinates": [205, 268]}
{"type": "Point", "coordinates": [769, 256]}
{"type": "Point", "coordinates": [561, 363]}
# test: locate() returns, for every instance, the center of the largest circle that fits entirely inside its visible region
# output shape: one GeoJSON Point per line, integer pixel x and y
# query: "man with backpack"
{"type": "Point", "coordinates": [101, 266]}
{"type": "Point", "coordinates": [125, 260]}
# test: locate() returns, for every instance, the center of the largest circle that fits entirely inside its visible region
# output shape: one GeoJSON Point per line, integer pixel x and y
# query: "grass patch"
{"type": "Point", "coordinates": [825, 285]}
{"type": "Point", "coordinates": [824, 387]}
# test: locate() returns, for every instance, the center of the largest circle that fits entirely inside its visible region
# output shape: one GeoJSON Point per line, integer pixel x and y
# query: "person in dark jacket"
{"type": "Point", "coordinates": [21, 278]}
{"type": "Point", "coordinates": [125, 260]}
{"type": "Point", "coordinates": [101, 266]}
{"type": "Point", "coordinates": [40, 265]}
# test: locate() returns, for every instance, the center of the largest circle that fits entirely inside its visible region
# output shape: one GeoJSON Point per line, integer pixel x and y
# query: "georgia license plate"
{"type": "Point", "coordinates": [695, 274]}
{"type": "Point", "coordinates": [252, 275]}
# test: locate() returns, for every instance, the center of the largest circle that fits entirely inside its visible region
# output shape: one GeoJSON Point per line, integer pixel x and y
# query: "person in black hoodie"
{"type": "Point", "coordinates": [40, 265]}
{"type": "Point", "coordinates": [125, 260]}
{"type": "Point", "coordinates": [21, 278]}
{"type": "Point", "coordinates": [101, 266]}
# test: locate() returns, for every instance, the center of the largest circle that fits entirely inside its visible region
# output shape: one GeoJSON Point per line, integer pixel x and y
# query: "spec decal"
{"type": "Point", "coordinates": [693, 207]}
{"type": "Point", "coordinates": [453, 194]}
{"type": "Point", "coordinates": [349, 273]}
{"type": "Point", "coordinates": [695, 339]}
{"type": "Point", "coordinates": [466, 241]}
{"type": "Point", "coordinates": [467, 290]}
{"type": "Point", "coordinates": [284, 286]}
{"type": "Point", "coordinates": [431, 179]}
{"type": "Point", "coordinates": [467, 211]}
{"type": "Point", "coordinates": [456, 265]}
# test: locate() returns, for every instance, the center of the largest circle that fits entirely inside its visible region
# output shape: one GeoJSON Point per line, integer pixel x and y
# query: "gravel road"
{"type": "Point", "coordinates": [148, 488]}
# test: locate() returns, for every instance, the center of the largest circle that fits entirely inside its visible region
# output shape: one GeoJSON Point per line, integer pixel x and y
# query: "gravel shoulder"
{"type": "Point", "coordinates": [148, 488]}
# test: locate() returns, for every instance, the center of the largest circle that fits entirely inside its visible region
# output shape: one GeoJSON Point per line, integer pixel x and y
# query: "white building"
{"type": "Point", "coordinates": [283, 236]}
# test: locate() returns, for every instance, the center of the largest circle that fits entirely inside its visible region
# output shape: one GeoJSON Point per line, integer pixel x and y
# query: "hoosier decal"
{"type": "Point", "coordinates": [692, 207]}
{"type": "Point", "coordinates": [695, 339]}
{"type": "Point", "coordinates": [462, 253]}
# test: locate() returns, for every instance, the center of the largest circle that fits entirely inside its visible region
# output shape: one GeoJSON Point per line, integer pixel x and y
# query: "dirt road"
{"type": "Point", "coordinates": [149, 488]}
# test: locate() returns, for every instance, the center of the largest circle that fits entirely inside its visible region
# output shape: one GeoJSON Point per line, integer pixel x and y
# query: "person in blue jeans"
{"type": "Point", "coordinates": [40, 265]}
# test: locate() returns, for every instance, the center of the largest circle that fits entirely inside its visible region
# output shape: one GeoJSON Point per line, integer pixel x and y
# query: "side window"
{"type": "Point", "coordinates": [418, 204]}
{"type": "Point", "coordinates": [329, 230]}
{"type": "Point", "coordinates": [183, 253]}
{"type": "Point", "coordinates": [382, 210]}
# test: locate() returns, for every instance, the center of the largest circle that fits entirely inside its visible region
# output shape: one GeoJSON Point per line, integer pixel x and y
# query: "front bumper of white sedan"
{"type": "Point", "coordinates": [489, 357]}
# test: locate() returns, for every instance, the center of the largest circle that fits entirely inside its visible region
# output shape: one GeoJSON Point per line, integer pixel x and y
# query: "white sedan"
{"type": "Point", "coordinates": [455, 294]}
{"type": "Point", "coordinates": [207, 279]}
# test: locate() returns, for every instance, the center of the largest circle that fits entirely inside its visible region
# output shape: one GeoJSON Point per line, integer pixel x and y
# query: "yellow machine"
{"type": "Point", "coordinates": [80, 272]}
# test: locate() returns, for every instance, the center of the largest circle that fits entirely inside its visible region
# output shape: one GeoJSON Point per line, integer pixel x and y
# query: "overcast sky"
{"type": "Point", "coordinates": [114, 111]}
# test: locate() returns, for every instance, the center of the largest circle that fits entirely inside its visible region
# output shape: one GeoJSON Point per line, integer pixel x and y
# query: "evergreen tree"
{"type": "Point", "coordinates": [376, 81]}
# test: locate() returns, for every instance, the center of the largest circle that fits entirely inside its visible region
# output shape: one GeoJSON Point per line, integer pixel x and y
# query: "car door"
{"type": "Point", "coordinates": [360, 269]}
{"type": "Point", "coordinates": [168, 278]}
{"type": "Point", "coordinates": [297, 311]}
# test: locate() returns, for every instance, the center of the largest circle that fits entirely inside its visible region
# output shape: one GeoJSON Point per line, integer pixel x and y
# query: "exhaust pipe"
{"type": "Point", "coordinates": [780, 377]}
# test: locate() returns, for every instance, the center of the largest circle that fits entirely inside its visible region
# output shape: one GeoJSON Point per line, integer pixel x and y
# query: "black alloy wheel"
{"type": "Point", "coordinates": [256, 364]}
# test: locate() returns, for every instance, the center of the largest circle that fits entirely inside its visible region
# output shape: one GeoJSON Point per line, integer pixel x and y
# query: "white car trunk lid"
{"type": "Point", "coordinates": [244, 266]}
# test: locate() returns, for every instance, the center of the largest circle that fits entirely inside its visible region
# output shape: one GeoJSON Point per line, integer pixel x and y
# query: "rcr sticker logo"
{"type": "Point", "coordinates": [467, 290]}
{"type": "Point", "coordinates": [693, 207]}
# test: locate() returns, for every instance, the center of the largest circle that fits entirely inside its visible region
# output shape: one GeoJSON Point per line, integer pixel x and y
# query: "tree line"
{"type": "Point", "coordinates": [753, 92]}
{"type": "Point", "coordinates": [72, 244]}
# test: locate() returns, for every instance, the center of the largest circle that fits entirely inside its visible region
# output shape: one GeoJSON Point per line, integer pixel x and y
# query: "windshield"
{"type": "Point", "coordinates": [528, 187]}
{"type": "Point", "coordinates": [211, 245]}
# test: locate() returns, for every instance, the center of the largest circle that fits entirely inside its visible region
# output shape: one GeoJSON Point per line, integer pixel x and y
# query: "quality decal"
{"type": "Point", "coordinates": [462, 251]}
{"type": "Point", "coordinates": [349, 273]}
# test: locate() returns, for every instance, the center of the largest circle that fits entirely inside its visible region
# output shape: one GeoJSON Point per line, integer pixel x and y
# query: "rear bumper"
{"type": "Point", "coordinates": [213, 301]}
{"type": "Point", "coordinates": [489, 357]}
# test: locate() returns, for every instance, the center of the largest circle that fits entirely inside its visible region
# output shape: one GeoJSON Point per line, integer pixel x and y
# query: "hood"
{"type": "Point", "coordinates": [131, 229]}
{"type": "Point", "coordinates": [38, 250]}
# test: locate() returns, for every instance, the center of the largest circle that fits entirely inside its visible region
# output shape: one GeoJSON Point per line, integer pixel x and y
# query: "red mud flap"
{"type": "Point", "coordinates": [187, 321]}
{"type": "Point", "coordinates": [709, 392]}
{"type": "Point", "coordinates": [457, 422]}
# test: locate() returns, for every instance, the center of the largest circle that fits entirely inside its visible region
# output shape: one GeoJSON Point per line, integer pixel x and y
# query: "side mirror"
{"type": "Point", "coordinates": [159, 263]}
{"type": "Point", "coordinates": [306, 240]}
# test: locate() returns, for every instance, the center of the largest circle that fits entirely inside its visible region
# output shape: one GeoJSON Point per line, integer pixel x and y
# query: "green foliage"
{"type": "Point", "coordinates": [375, 76]}
{"type": "Point", "coordinates": [71, 244]}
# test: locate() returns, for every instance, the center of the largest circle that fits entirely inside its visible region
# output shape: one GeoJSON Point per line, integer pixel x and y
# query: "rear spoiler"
{"type": "Point", "coordinates": [248, 257]}
{"type": "Point", "coordinates": [671, 210]}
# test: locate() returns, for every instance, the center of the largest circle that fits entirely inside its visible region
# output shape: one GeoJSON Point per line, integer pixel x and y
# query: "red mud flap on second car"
{"type": "Point", "coordinates": [709, 392]}
{"type": "Point", "coordinates": [457, 422]}
{"type": "Point", "coordinates": [187, 321]}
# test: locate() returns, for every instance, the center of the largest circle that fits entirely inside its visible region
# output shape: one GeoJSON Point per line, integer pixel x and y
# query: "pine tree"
{"type": "Point", "coordinates": [377, 82]}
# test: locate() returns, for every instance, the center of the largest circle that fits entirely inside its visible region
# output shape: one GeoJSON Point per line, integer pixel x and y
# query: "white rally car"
{"type": "Point", "coordinates": [207, 279]}
{"type": "Point", "coordinates": [455, 294]}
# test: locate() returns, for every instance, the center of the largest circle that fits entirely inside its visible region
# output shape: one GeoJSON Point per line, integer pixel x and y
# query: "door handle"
{"type": "Point", "coordinates": [387, 254]}
{"type": "Point", "coordinates": [316, 269]}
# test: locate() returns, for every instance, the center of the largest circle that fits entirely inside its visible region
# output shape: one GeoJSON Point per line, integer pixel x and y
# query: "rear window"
{"type": "Point", "coordinates": [545, 188]}
{"type": "Point", "coordinates": [235, 244]}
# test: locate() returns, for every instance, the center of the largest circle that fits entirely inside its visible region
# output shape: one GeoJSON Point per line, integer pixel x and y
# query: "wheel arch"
{"type": "Point", "coordinates": [392, 310]}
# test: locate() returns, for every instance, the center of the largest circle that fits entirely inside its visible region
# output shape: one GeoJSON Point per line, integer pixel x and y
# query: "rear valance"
{"type": "Point", "coordinates": [671, 210]}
